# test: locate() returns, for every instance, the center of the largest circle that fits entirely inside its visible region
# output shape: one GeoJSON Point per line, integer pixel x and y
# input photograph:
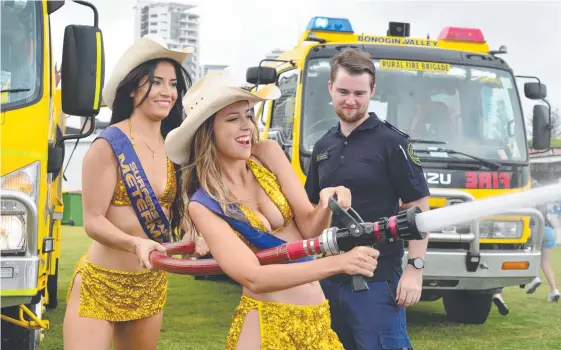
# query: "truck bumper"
{"type": "Point", "coordinates": [476, 269]}
{"type": "Point", "coordinates": [446, 269]}
{"type": "Point", "coordinates": [19, 279]}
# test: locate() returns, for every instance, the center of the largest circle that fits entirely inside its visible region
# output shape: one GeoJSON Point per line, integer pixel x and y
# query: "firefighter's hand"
{"type": "Point", "coordinates": [409, 287]}
{"type": "Point", "coordinates": [343, 196]}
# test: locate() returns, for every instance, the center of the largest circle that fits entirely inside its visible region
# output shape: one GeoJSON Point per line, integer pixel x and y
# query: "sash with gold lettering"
{"type": "Point", "coordinates": [143, 199]}
{"type": "Point", "coordinates": [259, 239]}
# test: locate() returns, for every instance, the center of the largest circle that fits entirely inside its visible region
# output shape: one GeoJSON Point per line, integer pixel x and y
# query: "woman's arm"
{"type": "Point", "coordinates": [99, 178]}
{"type": "Point", "coordinates": [311, 220]}
{"type": "Point", "coordinates": [241, 264]}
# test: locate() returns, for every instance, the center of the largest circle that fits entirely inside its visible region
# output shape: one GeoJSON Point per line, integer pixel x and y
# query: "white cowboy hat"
{"type": "Point", "coordinates": [147, 48]}
{"type": "Point", "coordinates": [206, 97]}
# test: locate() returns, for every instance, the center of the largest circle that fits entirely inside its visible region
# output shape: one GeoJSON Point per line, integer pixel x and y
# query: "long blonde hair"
{"type": "Point", "coordinates": [204, 171]}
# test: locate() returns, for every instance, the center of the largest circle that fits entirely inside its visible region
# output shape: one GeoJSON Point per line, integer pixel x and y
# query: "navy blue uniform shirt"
{"type": "Point", "coordinates": [374, 161]}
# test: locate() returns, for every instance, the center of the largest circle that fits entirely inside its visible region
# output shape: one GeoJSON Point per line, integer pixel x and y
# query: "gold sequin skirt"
{"type": "Point", "coordinates": [117, 296]}
{"type": "Point", "coordinates": [286, 326]}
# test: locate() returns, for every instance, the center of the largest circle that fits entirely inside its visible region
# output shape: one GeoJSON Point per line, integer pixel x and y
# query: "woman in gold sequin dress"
{"type": "Point", "coordinates": [282, 306]}
{"type": "Point", "coordinates": [114, 296]}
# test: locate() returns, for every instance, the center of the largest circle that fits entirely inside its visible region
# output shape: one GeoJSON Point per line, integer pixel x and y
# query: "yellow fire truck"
{"type": "Point", "coordinates": [32, 153]}
{"type": "Point", "coordinates": [459, 102]}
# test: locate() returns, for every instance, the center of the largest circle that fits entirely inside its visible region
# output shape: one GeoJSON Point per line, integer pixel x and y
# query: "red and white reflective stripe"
{"type": "Point", "coordinates": [315, 246]}
{"type": "Point", "coordinates": [305, 247]}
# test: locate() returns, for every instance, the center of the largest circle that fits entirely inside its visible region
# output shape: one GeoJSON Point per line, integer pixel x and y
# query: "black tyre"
{"type": "Point", "coordinates": [467, 307]}
{"type": "Point", "coordinates": [52, 287]}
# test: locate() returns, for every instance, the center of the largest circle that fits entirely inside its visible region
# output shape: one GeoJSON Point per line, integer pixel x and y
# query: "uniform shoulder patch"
{"type": "Point", "coordinates": [389, 125]}
{"type": "Point", "coordinates": [412, 155]}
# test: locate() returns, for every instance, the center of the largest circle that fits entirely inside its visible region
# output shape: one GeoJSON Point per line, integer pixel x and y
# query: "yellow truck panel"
{"type": "Point", "coordinates": [32, 155]}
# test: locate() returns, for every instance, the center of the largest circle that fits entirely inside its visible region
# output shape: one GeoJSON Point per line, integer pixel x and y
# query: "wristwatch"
{"type": "Point", "coordinates": [417, 263]}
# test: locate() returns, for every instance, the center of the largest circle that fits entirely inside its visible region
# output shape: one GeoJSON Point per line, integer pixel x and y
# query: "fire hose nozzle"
{"type": "Point", "coordinates": [402, 226]}
{"type": "Point", "coordinates": [406, 223]}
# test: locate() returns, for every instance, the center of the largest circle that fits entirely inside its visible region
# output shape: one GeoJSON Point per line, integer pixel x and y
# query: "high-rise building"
{"type": "Point", "coordinates": [176, 23]}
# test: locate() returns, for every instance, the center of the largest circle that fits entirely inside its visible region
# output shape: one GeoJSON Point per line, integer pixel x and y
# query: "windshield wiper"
{"type": "Point", "coordinates": [15, 90]}
{"type": "Point", "coordinates": [488, 163]}
{"type": "Point", "coordinates": [432, 142]}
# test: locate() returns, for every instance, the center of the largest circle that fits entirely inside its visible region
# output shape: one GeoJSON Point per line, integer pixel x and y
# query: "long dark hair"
{"type": "Point", "coordinates": [123, 107]}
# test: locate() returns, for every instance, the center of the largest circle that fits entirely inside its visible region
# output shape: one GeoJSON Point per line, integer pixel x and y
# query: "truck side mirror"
{"type": "Point", "coordinates": [53, 6]}
{"type": "Point", "coordinates": [541, 128]}
{"type": "Point", "coordinates": [82, 70]}
{"type": "Point", "coordinates": [535, 91]}
{"type": "Point", "coordinates": [261, 75]}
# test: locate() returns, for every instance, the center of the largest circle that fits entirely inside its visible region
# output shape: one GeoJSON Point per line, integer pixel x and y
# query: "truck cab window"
{"type": "Point", "coordinates": [282, 117]}
{"type": "Point", "coordinates": [20, 51]}
{"type": "Point", "coordinates": [472, 109]}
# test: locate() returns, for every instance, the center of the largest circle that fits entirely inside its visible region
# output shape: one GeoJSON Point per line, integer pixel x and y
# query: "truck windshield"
{"type": "Point", "coordinates": [474, 110]}
{"type": "Point", "coordinates": [20, 53]}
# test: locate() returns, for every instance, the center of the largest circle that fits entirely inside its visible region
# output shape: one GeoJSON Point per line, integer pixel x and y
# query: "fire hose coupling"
{"type": "Point", "coordinates": [402, 226]}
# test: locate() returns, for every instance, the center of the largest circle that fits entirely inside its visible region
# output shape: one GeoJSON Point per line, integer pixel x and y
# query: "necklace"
{"type": "Point", "coordinates": [132, 140]}
{"type": "Point", "coordinates": [153, 152]}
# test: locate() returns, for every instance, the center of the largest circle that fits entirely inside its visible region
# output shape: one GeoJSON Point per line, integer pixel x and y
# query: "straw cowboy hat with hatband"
{"type": "Point", "coordinates": [206, 97]}
{"type": "Point", "coordinates": [147, 48]}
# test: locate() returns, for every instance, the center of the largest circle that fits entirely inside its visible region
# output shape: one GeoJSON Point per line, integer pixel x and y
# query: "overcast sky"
{"type": "Point", "coordinates": [239, 33]}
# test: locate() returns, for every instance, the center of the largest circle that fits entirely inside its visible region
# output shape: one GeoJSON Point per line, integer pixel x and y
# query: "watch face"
{"type": "Point", "coordinates": [418, 263]}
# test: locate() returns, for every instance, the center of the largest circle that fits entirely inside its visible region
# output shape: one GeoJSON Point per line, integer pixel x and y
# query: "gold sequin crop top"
{"type": "Point", "coordinates": [121, 197]}
{"type": "Point", "coordinates": [271, 186]}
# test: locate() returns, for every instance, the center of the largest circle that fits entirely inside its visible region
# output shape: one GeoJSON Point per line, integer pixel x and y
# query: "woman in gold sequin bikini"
{"type": "Point", "coordinates": [114, 296]}
{"type": "Point", "coordinates": [282, 306]}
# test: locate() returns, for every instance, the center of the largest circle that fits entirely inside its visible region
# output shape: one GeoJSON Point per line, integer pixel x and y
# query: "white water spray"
{"type": "Point", "coordinates": [459, 213]}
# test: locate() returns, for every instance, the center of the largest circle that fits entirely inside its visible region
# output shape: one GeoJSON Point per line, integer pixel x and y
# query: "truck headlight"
{"type": "Point", "coordinates": [500, 229]}
{"type": "Point", "coordinates": [13, 224]}
{"type": "Point", "coordinates": [12, 233]}
{"type": "Point", "coordinates": [25, 179]}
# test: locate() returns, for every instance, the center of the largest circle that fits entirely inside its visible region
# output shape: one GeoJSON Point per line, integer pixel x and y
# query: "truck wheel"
{"type": "Point", "coordinates": [467, 307]}
{"type": "Point", "coordinates": [428, 296]}
{"type": "Point", "coordinates": [16, 337]}
{"type": "Point", "coordinates": [52, 288]}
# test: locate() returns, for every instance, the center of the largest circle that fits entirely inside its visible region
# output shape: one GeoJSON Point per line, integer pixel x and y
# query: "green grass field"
{"type": "Point", "coordinates": [198, 313]}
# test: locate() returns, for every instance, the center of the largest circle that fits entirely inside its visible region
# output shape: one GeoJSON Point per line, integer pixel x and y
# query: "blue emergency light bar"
{"type": "Point", "coordinates": [330, 24]}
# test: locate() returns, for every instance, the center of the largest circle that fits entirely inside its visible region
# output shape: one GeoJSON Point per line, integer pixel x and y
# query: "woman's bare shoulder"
{"type": "Point", "coordinates": [265, 145]}
{"type": "Point", "coordinates": [101, 151]}
{"type": "Point", "coordinates": [268, 151]}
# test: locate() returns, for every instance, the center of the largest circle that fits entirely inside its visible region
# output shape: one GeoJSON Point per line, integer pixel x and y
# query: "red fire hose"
{"type": "Point", "coordinates": [287, 252]}
{"type": "Point", "coordinates": [331, 241]}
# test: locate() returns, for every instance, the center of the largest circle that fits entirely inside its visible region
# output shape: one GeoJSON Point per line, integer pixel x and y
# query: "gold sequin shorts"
{"type": "Point", "coordinates": [286, 326]}
{"type": "Point", "coordinates": [117, 296]}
